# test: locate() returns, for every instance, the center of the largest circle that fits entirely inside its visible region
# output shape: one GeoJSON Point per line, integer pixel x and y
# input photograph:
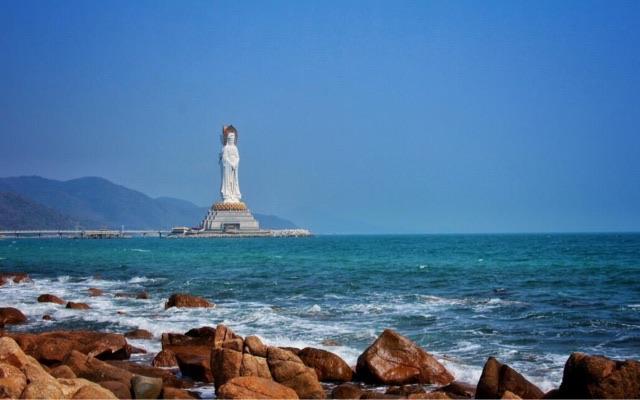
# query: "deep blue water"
{"type": "Point", "coordinates": [530, 300]}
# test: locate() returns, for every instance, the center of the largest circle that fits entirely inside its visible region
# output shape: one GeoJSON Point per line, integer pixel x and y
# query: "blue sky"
{"type": "Point", "coordinates": [450, 116]}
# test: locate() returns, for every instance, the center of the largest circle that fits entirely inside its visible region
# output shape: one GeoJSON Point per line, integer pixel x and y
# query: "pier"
{"type": "Point", "coordinates": [83, 234]}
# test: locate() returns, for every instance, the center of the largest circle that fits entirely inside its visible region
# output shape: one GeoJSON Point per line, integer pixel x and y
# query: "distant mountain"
{"type": "Point", "coordinates": [16, 212]}
{"type": "Point", "coordinates": [98, 203]}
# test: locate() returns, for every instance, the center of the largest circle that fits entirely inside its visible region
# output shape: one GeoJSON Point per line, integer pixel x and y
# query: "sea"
{"type": "Point", "coordinates": [527, 299]}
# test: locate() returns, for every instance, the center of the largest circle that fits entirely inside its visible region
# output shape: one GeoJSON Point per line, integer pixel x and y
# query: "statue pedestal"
{"type": "Point", "coordinates": [225, 219]}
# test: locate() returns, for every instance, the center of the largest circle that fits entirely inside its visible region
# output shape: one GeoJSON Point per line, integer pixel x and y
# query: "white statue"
{"type": "Point", "coordinates": [229, 161]}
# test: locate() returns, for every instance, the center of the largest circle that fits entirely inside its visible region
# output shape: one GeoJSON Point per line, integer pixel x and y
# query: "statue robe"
{"type": "Point", "coordinates": [229, 161]}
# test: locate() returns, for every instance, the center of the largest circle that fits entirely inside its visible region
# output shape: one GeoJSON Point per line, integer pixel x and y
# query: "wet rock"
{"type": "Point", "coordinates": [62, 371]}
{"type": "Point", "coordinates": [98, 371]}
{"type": "Point", "coordinates": [145, 387]}
{"type": "Point", "coordinates": [195, 365]}
{"type": "Point", "coordinates": [255, 366]}
{"type": "Point", "coordinates": [167, 377]}
{"type": "Point", "coordinates": [95, 292]}
{"type": "Point", "coordinates": [119, 389]}
{"type": "Point", "coordinates": [12, 381]}
{"type": "Point", "coordinates": [142, 296]}
{"type": "Point", "coordinates": [429, 395]}
{"type": "Point", "coordinates": [41, 390]}
{"type": "Point", "coordinates": [372, 394]}
{"type": "Point", "coordinates": [587, 376]}
{"type": "Point", "coordinates": [405, 390]}
{"type": "Point", "coordinates": [224, 334]}
{"type": "Point", "coordinates": [50, 298]}
{"type": "Point", "coordinates": [202, 332]}
{"type": "Point", "coordinates": [47, 317]}
{"type": "Point", "coordinates": [459, 390]}
{"type": "Point", "coordinates": [77, 306]}
{"type": "Point", "coordinates": [328, 366]}
{"type": "Point", "coordinates": [165, 359]}
{"type": "Point", "coordinates": [174, 393]}
{"type": "Point", "coordinates": [187, 300]}
{"type": "Point", "coordinates": [497, 378]}
{"type": "Point", "coordinates": [254, 346]}
{"type": "Point", "coordinates": [11, 316]}
{"type": "Point", "coordinates": [54, 347]}
{"type": "Point", "coordinates": [225, 364]}
{"type": "Point", "coordinates": [347, 391]}
{"type": "Point", "coordinates": [251, 387]}
{"type": "Point", "coordinates": [136, 350]}
{"type": "Point", "coordinates": [288, 369]}
{"type": "Point", "coordinates": [139, 334]}
{"type": "Point", "coordinates": [395, 360]}
{"type": "Point", "coordinates": [15, 277]}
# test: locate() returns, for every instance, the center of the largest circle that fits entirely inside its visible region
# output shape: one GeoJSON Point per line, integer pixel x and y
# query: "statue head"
{"type": "Point", "coordinates": [229, 135]}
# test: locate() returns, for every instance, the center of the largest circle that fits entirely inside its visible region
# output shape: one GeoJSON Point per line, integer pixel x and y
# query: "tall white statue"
{"type": "Point", "coordinates": [229, 161]}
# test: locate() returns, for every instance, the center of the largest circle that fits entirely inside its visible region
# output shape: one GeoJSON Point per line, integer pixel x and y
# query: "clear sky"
{"type": "Point", "coordinates": [452, 116]}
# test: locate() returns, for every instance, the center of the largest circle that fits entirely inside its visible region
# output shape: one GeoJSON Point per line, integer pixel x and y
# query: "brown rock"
{"type": "Point", "coordinates": [255, 366]}
{"type": "Point", "coordinates": [47, 317]}
{"type": "Point", "coordinates": [78, 306]}
{"type": "Point", "coordinates": [459, 390]}
{"type": "Point", "coordinates": [95, 392]}
{"type": "Point", "coordinates": [202, 332]}
{"type": "Point", "coordinates": [395, 360]}
{"type": "Point", "coordinates": [510, 396]}
{"type": "Point", "coordinates": [98, 371]}
{"type": "Point", "coordinates": [55, 347]}
{"type": "Point", "coordinates": [225, 364]}
{"type": "Point", "coordinates": [145, 387]}
{"type": "Point", "coordinates": [10, 316]}
{"type": "Point", "coordinates": [194, 365]}
{"type": "Point", "coordinates": [405, 390]}
{"type": "Point", "coordinates": [224, 334]}
{"type": "Point", "coordinates": [592, 377]}
{"type": "Point", "coordinates": [329, 367]}
{"type": "Point", "coordinates": [62, 371]}
{"type": "Point", "coordinates": [41, 390]}
{"type": "Point", "coordinates": [168, 378]}
{"type": "Point", "coordinates": [186, 300]}
{"type": "Point", "coordinates": [15, 277]}
{"type": "Point", "coordinates": [50, 298]}
{"type": "Point", "coordinates": [165, 359]}
{"type": "Point", "coordinates": [142, 296]}
{"type": "Point", "coordinates": [12, 354]}
{"type": "Point", "coordinates": [347, 391]}
{"type": "Point", "coordinates": [252, 387]}
{"type": "Point", "coordinates": [71, 389]}
{"type": "Point", "coordinates": [254, 346]}
{"type": "Point", "coordinates": [119, 389]}
{"type": "Point", "coordinates": [95, 292]}
{"type": "Point", "coordinates": [294, 350]}
{"type": "Point", "coordinates": [174, 393]}
{"type": "Point", "coordinates": [372, 394]}
{"type": "Point", "coordinates": [139, 334]}
{"type": "Point", "coordinates": [497, 378]}
{"type": "Point", "coordinates": [430, 395]}
{"type": "Point", "coordinates": [288, 369]}
{"type": "Point", "coordinates": [12, 381]}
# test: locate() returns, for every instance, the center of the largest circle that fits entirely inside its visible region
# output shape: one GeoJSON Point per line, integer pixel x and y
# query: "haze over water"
{"type": "Point", "coordinates": [529, 300]}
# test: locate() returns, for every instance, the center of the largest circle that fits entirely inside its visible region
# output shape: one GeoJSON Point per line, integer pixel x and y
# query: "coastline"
{"type": "Point", "coordinates": [138, 349]}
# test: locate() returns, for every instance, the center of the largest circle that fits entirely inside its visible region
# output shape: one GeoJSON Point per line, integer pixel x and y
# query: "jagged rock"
{"type": "Point", "coordinates": [12, 381]}
{"type": "Point", "coordinates": [328, 366]}
{"type": "Point", "coordinates": [50, 298]}
{"type": "Point", "coordinates": [587, 376]}
{"type": "Point", "coordinates": [62, 371]}
{"type": "Point", "coordinates": [225, 364]}
{"type": "Point", "coordinates": [187, 300]}
{"type": "Point", "coordinates": [95, 292]}
{"type": "Point", "coordinates": [165, 359]}
{"type": "Point", "coordinates": [254, 346]}
{"type": "Point", "coordinates": [98, 371]}
{"type": "Point", "coordinates": [294, 350]}
{"type": "Point", "coordinates": [139, 334]}
{"type": "Point", "coordinates": [41, 390]}
{"type": "Point", "coordinates": [498, 378]}
{"type": "Point", "coordinates": [224, 334]}
{"type": "Point", "coordinates": [196, 366]}
{"type": "Point", "coordinates": [254, 366]}
{"type": "Point", "coordinates": [395, 360]}
{"type": "Point", "coordinates": [252, 387]}
{"type": "Point", "coordinates": [145, 387]}
{"type": "Point", "coordinates": [288, 369]}
{"type": "Point", "coordinates": [54, 347]}
{"type": "Point", "coordinates": [78, 306]}
{"type": "Point", "coordinates": [11, 316]}
{"type": "Point", "coordinates": [347, 391]}
{"type": "Point", "coordinates": [193, 354]}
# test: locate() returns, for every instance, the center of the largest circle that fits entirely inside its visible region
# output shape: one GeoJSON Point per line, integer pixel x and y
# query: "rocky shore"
{"type": "Point", "coordinates": [92, 365]}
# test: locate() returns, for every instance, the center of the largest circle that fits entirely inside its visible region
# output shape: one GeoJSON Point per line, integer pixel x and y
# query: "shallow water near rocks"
{"type": "Point", "coordinates": [529, 300]}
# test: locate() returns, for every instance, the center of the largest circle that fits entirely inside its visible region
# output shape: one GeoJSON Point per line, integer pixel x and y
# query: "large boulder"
{"type": "Point", "coordinates": [62, 372]}
{"type": "Point", "coordinates": [225, 364]}
{"type": "Point", "coordinates": [255, 366]}
{"type": "Point", "coordinates": [79, 388]}
{"type": "Point", "coordinates": [590, 377]}
{"type": "Point", "coordinates": [15, 277]}
{"type": "Point", "coordinates": [12, 381]}
{"type": "Point", "coordinates": [139, 334]}
{"type": "Point", "coordinates": [54, 347]}
{"type": "Point", "coordinates": [252, 387]}
{"type": "Point", "coordinates": [195, 365]}
{"type": "Point", "coordinates": [97, 371]}
{"type": "Point", "coordinates": [175, 393]}
{"type": "Point", "coordinates": [165, 359]}
{"type": "Point", "coordinates": [145, 387]}
{"type": "Point", "coordinates": [50, 298]}
{"type": "Point", "coordinates": [77, 306]}
{"type": "Point", "coordinates": [10, 316]}
{"type": "Point", "coordinates": [168, 377]}
{"type": "Point", "coordinates": [254, 346]}
{"type": "Point", "coordinates": [329, 367]}
{"type": "Point", "coordinates": [288, 369]}
{"type": "Point", "coordinates": [347, 391]}
{"type": "Point", "coordinates": [497, 378]}
{"type": "Point", "coordinates": [395, 360]}
{"type": "Point", "coordinates": [192, 354]}
{"type": "Point", "coordinates": [224, 334]}
{"type": "Point", "coordinates": [187, 300]}
{"type": "Point", "coordinates": [42, 390]}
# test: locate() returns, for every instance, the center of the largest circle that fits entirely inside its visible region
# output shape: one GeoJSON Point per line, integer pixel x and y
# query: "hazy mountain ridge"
{"type": "Point", "coordinates": [95, 202]}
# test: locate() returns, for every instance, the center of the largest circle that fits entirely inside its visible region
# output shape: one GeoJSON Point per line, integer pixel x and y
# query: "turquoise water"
{"type": "Point", "coordinates": [530, 300]}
